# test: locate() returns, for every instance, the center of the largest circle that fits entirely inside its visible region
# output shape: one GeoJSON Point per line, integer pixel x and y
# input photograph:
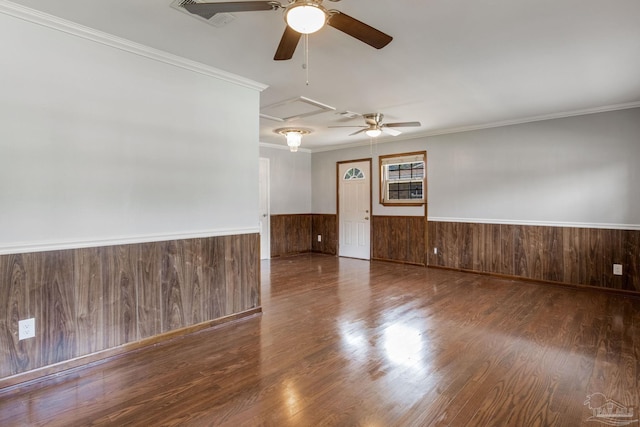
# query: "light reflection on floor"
{"type": "Point", "coordinates": [403, 345]}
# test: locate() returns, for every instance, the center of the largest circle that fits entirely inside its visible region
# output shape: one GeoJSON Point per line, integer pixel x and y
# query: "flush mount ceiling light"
{"type": "Point", "coordinates": [306, 17]}
{"type": "Point", "coordinates": [294, 136]}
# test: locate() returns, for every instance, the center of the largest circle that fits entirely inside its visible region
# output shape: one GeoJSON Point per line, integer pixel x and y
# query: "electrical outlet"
{"type": "Point", "coordinates": [319, 237]}
{"type": "Point", "coordinates": [26, 328]}
{"type": "Point", "coordinates": [435, 251]}
{"type": "Point", "coordinates": [617, 269]}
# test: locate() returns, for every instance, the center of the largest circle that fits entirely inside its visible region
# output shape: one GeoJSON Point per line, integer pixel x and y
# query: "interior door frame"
{"type": "Point", "coordinates": [265, 219]}
{"type": "Point", "coordinates": [338, 177]}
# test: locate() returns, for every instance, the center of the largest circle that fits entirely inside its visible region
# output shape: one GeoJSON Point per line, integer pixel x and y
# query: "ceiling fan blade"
{"type": "Point", "coordinates": [390, 131]}
{"type": "Point", "coordinates": [207, 10]}
{"type": "Point", "coordinates": [358, 131]}
{"type": "Point", "coordinates": [402, 125]}
{"type": "Point", "coordinates": [360, 30]}
{"type": "Point", "coordinates": [346, 126]}
{"type": "Point", "coordinates": [288, 44]}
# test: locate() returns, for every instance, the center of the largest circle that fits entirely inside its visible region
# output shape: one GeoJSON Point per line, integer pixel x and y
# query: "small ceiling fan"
{"type": "Point", "coordinates": [375, 127]}
{"type": "Point", "coordinates": [302, 17]}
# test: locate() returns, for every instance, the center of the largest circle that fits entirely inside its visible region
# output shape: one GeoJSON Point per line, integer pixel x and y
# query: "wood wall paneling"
{"type": "Point", "coordinates": [325, 225]}
{"type": "Point", "coordinates": [450, 243]}
{"type": "Point", "coordinates": [507, 251]}
{"type": "Point", "coordinates": [551, 255]}
{"type": "Point", "coordinates": [477, 254]}
{"type": "Point", "coordinates": [436, 242]}
{"type": "Point", "coordinates": [302, 233]}
{"type": "Point", "coordinates": [278, 235]}
{"type": "Point", "coordinates": [572, 263]}
{"type": "Point", "coordinates": [465, 245]}
{"type": "Point", "coordinates": [14, 305]}
{"type": "Point", "coordinates": [416, 240]}
{"type": "Point", "coordinates": [398, 238]}
{"type": "Point", "coordinates": [148, 273]}
{"type": "Point", "coordinates": [90, 307]}
{"type": "Point", "coordinates": [592, 252]}
{"type": "Point", "coordinates": [88, 300]}
{"type": "Point", "coordinates": [250, 259]}
{"type": "Point", "coordinates": [631, 260]}
{"type": "Point", "coordinates": [218, 293]}
{"type": "Point", "coordinates": [492, 255]}
{"type": "Point", "coordinates": [232, 275]}
{"type": "Point", "coordinates": [120, 292]}
{"type": "Point", "coordinates": [290, 234]}
{"type": "Point", "coordinates": [580, 256]}
{"type": "Point", "coordinates": [298, 233]}
{"type": "Point", "coordinates": [379, 239]}
{"type": "Point", "coordinates": [612, 253]}
{"type": "Point", "coordinates": [528, 248]}
{"type": "Point", "coordinates": [398, 233]}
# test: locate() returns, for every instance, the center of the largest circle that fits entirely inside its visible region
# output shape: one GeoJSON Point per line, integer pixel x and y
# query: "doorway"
{"type": "Point", "coordinates": [354, 209]}
{"type": "Point", "coordinates": [265, 217]}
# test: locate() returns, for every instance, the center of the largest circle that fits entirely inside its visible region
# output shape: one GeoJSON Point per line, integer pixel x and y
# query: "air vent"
{"type": "Point", "coordinates": [218, 20]}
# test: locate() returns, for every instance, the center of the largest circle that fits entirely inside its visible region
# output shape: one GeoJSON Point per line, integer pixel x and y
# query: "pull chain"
{"type": "Point", "coordinates": [306, 57]}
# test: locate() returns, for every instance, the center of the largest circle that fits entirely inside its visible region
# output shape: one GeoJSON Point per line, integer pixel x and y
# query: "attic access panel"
{"type": "Point", "coordinates": [294, 108]}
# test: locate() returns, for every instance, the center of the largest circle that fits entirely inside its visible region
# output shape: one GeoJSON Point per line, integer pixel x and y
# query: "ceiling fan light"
{"type": "Point", "coordinates": [306, 18]}
{"type": "Point", "coordinates": [374, 132]}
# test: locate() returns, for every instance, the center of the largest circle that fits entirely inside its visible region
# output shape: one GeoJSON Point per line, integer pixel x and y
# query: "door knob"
{"type": "Point", "coordinates": [366, 217]}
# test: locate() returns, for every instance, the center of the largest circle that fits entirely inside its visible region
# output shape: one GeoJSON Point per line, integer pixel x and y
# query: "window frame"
{"type": "Point", "coordinates": [402, 158]}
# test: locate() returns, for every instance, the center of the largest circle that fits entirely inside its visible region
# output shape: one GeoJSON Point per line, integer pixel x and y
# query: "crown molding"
{"type": "Point", "coordinates": [531, 119]}
{"type": "Point", "coordinates": [446, 131]}
{"type": "Point", "coordinates": [72, 28]}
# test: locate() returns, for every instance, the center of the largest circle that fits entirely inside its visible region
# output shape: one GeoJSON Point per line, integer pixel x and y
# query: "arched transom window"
{"type": "Point", "coordinates": [353, 173]}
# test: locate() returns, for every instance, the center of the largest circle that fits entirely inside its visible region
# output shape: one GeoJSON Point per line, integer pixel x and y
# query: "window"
{"type": "Point", "coordinates": [403, 179]}
{"type": "Point", "coordinates": [353, 173]}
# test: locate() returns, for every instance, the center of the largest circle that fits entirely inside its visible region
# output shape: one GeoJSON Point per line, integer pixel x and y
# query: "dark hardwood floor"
{"type": "Point", "coordinates": [344, 342]}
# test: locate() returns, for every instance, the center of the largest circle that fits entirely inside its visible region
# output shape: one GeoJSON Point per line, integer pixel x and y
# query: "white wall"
{"type": "Point", "coordinates": [290, 176]}
{"type": "Point", "coordinates": [579, 170]}
{"type": "Point", "coordinates": [104, 141]}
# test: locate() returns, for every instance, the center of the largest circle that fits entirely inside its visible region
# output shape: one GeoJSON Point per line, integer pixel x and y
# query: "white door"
{"type": "Point", "coordinates": [265, 218]}
{"type": "Point", "coordinates": [354, 200]}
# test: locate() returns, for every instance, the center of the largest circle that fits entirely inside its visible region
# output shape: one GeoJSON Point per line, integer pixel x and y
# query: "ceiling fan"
{"type": "Point", "coordinates": [375, 127]}
{"type": "Point", "coordinates": [302, 17]}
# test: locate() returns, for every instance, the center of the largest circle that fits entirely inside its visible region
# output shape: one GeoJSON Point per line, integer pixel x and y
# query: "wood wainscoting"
{"type": "Point", "coordinates": [394, 238]}
{"type": "Point", "coordinates": [89, 300]}
{"type": "Point", "coordinates": [399, 239]}
{"type": "Point", "coordinates": [577, 256]}
{"type": "Point", "coordinates": [325, 225]}
{"type": "Point", "coordinates": [290, 234]}
{"type": "Point", "coordinates": [569, 255]}
{"type": "Point", "coordinates": [298, 233]}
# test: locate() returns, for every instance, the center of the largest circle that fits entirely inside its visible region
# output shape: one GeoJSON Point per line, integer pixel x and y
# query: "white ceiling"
{"type": "Point", "coordinates": [452, 65]}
